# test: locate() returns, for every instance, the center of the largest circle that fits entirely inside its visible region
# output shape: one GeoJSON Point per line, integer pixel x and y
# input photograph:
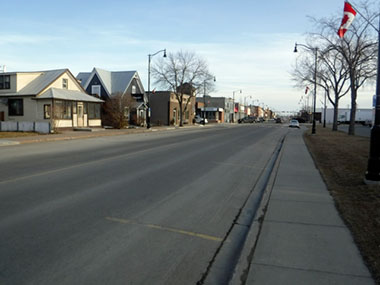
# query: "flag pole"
{"type": "Point", "coordinates": [368, 21]}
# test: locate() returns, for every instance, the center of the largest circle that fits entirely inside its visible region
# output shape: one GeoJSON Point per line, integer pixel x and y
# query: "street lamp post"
{"type": "Point", "coordinates": [148, 111]}
{"type": "Point", "coordinates": [233, 102]}
{"type": "Point", "coordinates": [204, 103]}
{"type": "Point", "coordinates": [372, 175]}
{"type": "Point", "coordinates": [315, 50]}
{"type": "Point", "coordinates": [204, 100]}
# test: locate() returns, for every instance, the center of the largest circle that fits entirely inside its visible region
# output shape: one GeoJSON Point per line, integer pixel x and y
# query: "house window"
{"type": "Point", "coordinates": [134, 90]}
{"type": "Point", "coordinates": [65, 83]}
{"type": "Point", "coordinates": [5, 82]}
{"type": "Point", "coordinates": [93, 111]}
{"type": "Point", "coordinates": [15, 107]}
{"type": "Point", "coordinates": [96, 90]}
{"type": "Point", "coordinates": [62, 110]}
{"type": "Point", "coordinates": [47, 111]}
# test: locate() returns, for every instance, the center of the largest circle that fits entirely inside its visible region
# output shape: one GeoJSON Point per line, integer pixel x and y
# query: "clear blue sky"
{"type": "Point", "coordinates": [248, 44]}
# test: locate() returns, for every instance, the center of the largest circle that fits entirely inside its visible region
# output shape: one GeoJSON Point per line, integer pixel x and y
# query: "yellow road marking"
{"type": "Point", "coordinates": [157, 227]}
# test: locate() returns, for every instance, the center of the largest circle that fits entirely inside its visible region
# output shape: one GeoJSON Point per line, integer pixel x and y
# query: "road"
{"type": "Point", "coordinates": [137, 209]}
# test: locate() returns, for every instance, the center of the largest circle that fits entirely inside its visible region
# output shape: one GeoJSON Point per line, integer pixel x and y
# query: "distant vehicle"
{"type": "Point", "coordinates": [294, 124]}
{"type": "Point", "coordinates": [300, 120]}
{"type": "Point", "coordinates": [248, 119]}
{"type": "Point", "coordinates": [278, 121]}
{"type": "Point", "coordinates": [199, 120]}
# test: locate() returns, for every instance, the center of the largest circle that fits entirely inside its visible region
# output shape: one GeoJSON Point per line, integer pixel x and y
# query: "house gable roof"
{"type": "Point", "coordinates": [113, 81]}
{"type": "Point", "coordinates": [83, 77]}
{"type": "Point", "coordinates": [40, 83]}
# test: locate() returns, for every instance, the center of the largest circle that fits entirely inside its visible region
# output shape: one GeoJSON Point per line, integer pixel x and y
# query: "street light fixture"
{"type": "Point", "coordinates": [315, 50]}
{"type": "Point", "coordinates": [233, 103]}
{"type": "Point", "coordinates": [149, 60]}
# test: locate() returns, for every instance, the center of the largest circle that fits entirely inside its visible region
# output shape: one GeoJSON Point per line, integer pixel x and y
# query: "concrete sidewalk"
{"type": "Point", "coordinates": [302, 239]}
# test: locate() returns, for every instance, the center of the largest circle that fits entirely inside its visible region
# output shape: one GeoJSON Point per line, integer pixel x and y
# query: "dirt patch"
{"type": "Point", "coordinates": [16, 134]}
{"type": "Point", "coordinates": [342, 161]}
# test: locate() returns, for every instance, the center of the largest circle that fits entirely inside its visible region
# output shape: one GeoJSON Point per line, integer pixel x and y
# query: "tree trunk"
{"type": "Point", "coordinates": [351, 129]}
{"type": "Point", "coordinates": [180, 115]}
{"type": "Point", "coordinates": [335, 121]}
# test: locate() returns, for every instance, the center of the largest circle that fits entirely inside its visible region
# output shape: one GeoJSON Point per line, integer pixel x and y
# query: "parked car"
{"type": "Point", "coordinates": [300, 120]}
{"type": "Point", "coordinates": [278, 121]}
{"type": "Point", "coordinates": [248, 119]}
{"type": "Point", "coordinates": [199, 120]}
{"type": "Point", "coordinates": [294, 124]}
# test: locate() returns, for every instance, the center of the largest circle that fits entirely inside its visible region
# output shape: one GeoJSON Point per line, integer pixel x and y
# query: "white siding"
{"type": "Point", "coordinates": [95, 123]}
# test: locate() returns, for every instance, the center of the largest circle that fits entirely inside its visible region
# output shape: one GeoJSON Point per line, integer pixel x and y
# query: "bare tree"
{"type": "Point", "coordinates": [358, 49]}
{"type": "Point", "coordinates": [333, 78]}
{"type": "Point", "coordinates": [117, 110]}
{"type": "Point", "coordinates": [331, 74]}
{"type": "Point", "coordinates": [183, 73]}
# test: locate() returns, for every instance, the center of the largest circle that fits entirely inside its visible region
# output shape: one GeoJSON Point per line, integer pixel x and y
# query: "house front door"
{"type": "Point", "coordinates": [80, 114]}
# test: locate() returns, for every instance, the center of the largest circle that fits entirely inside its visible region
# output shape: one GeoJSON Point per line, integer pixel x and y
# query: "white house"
{"type": "Point", "coordinates": [53, 96]}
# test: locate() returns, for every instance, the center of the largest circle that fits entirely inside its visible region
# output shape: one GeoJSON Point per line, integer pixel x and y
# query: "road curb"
{"type": "Point", "coordinates": [8, 142]}
{"type": "Point", "coordinates": [46, 138]}
{"type": "Point", "coordinates": [229, 262]}
{"type": "Point", "coordinates": [243, 265]}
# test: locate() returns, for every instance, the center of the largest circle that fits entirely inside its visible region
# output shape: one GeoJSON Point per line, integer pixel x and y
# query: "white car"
{"type": "Point", "coordinates": [199, 120]}
{"type": "Point", "coordinates": [294, 124]}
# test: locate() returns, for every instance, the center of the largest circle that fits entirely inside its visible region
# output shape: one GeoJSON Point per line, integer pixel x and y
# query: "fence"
{"type": "Point", "coordinates": [39, 127]}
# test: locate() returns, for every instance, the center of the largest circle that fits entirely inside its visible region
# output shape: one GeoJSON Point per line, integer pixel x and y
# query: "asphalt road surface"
{"type": "Point", "coordinates": [134, 209]}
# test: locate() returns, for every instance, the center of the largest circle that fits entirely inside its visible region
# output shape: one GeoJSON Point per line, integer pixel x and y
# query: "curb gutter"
{"type": "Point", "coordinates": [228, 264]}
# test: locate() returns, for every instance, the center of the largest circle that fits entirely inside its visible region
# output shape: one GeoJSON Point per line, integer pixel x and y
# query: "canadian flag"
{"type": "Point", "coordinates": [348, 16]}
